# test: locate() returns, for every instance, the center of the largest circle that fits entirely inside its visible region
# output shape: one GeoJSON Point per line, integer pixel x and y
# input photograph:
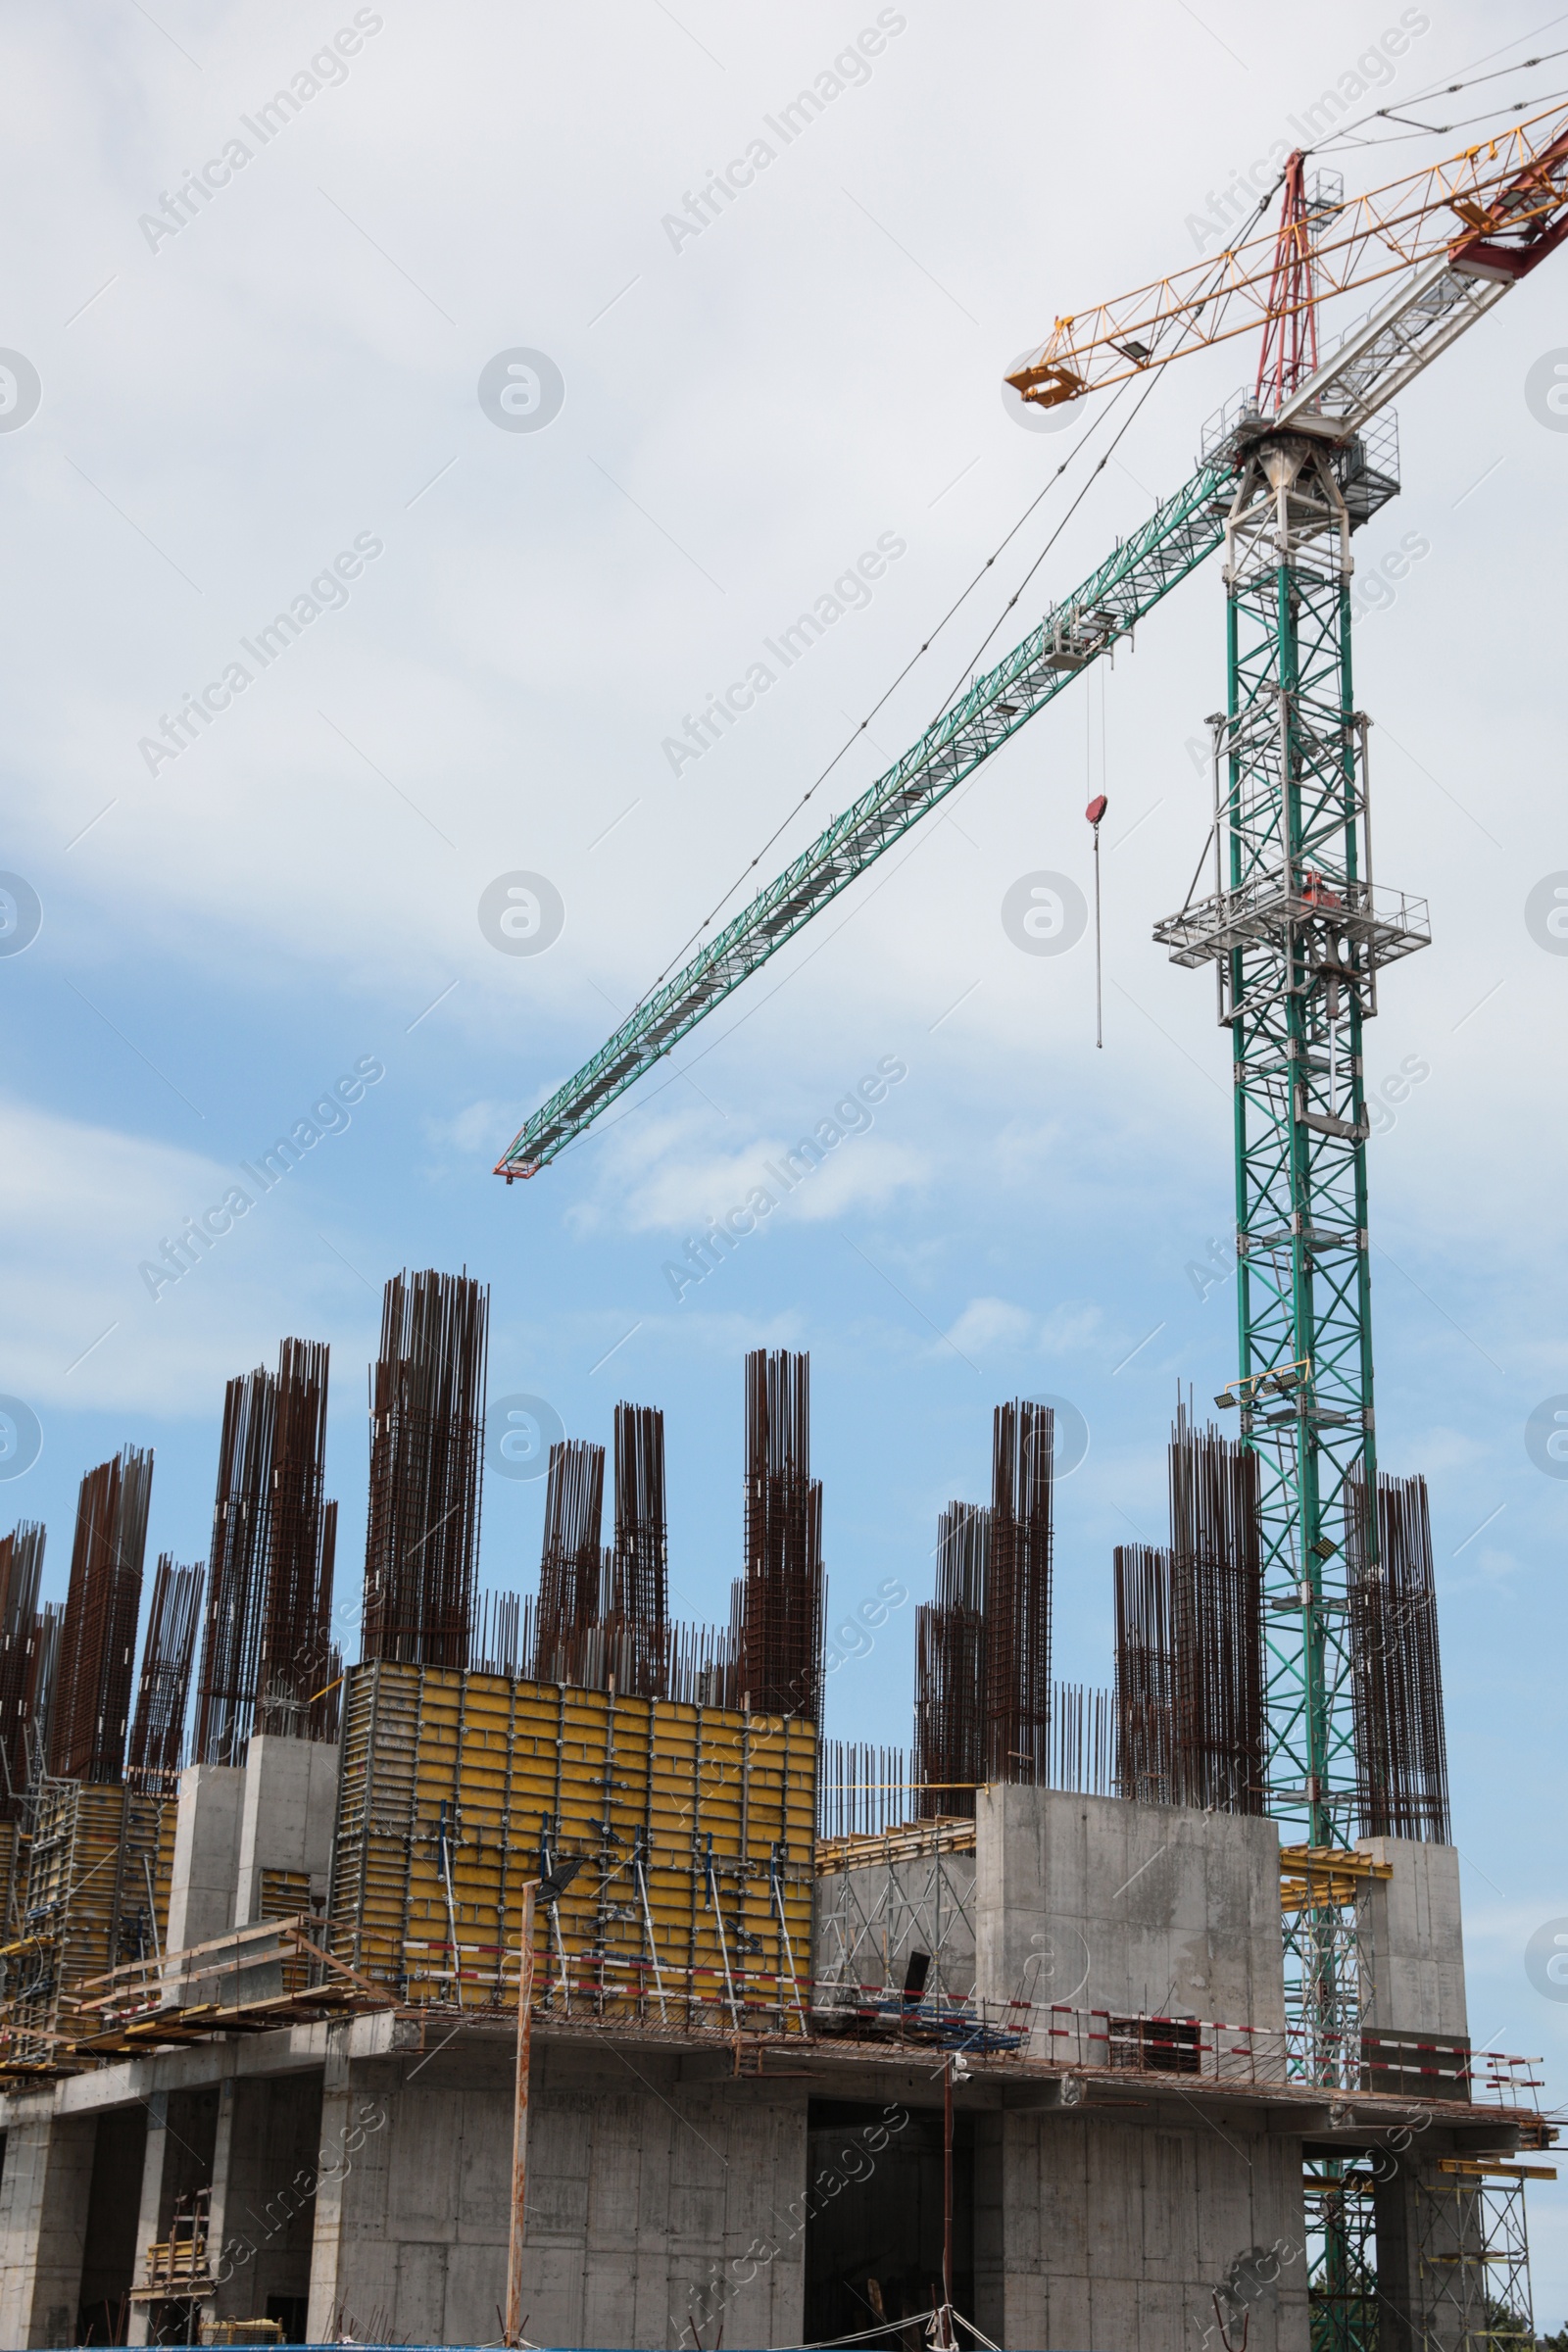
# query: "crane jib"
{"type": "Point", "coordinates": [1177, 537]}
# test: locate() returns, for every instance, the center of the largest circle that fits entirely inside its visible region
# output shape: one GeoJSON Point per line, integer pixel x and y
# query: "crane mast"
{"type": "Point", "coordinates": [1298, 931]}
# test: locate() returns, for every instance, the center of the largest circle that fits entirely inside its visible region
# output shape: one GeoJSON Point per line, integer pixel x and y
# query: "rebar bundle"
{"type": "Point", "coordinates": [1188, 1698]}
{"type": "Point", "coordinates": [782, 1609]}
{"type": "Point", "coordinates": [293, 1664]}
{"type": "Point", "coordinates": [862, 1790]}
{"type": "Point", "coordinates": [1018, 1666]}
{"type": "Point", "coordinates": [158, 1733]}
{"type": "Point", "coordinates": [1082, 1747]}
{"type": "Point", "coordinates": [92, 1712]}
{"type": "Point", "coordinates": [1400, 1751]}
{"type": "Point", "coordinates": [1144, 1714]}
{"type": "Point", "coordinates": [699, 1659]}
{"type": "Point", "coordinates": [640, 1576]}
{"type": "Point", "coordinates": [427, 1442]}
{"type": "Point", "coordinates": [43, 1686]}
{"type": "Point", "coordinates": [231, 1638]}
{"type": "Point", "coordinates": [21, 1567]}
{"type": "Point", "coordinates": [502, 1634]}
{"type": "Point", "coordinates": [950, 1672]}
{"type": "Point", "coordinates": [571, 1562]}
{"type": "Point", "coordinates": [1218, 1753]}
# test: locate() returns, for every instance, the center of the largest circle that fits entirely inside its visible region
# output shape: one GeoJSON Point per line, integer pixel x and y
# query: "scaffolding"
{"type": "Point", "coordinates": [97, 1895]}
{"type": "Point", "coordinates": [1343, 2299]}
{"type": "Point", "coordinates": [1473, 2258]}
{"type": "Point", "coordinates": [881, 1900]}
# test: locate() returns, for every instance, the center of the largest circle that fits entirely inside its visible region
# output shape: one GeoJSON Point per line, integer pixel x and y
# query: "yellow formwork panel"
{"type": "Point", "coordinates": [164, 1866]}
{"type": "Point", "coordinates": [89, 1906]}
{"type": "Point", "coordinates": [691, 1829]}
{"type": "Point", "coordinates": [10, 1892]}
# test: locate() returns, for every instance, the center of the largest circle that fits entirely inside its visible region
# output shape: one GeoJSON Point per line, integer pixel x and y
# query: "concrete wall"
{"type": "Point", "coordinates": [109, 2264]}
{"type": "Point", "coordinates": [1095, 2236]}
{"type": "Point", "coordinates": [1136, 1909]}
{"type": "Point", "coordinates": [274, 1813]}
{"type": "Point", "coordinates": [44, 2196]}
{"type": "Point", "coordinates": [290, 1802]}
{"type": "Point", "coordinates": [266, 2182]}
{"type": "Point", "coordinates": [206, 1867]}
{"type": "Point", "coordinates": [646, 2189]}
{"type": "Point", "coordinates": [180, 2143]}
{"type": "Point", "coordinates": [1411, 1940]}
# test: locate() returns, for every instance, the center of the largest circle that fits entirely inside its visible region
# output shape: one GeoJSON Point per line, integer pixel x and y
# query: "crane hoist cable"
{"type": "Point", "coordinates": [889, 691]}
{"type": "Point", "coordinates": [924, 648]}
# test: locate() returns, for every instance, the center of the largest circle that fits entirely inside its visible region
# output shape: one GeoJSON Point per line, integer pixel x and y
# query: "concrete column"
{"type": "Point", "coordinates": [108, 2262]}
{"type": "Point", "coordinates": [1424, 2309]}
{"type": "Point", "coordinates": [219, 2240]}
{"type": "Point", "coordinates": [205, 1866]}
{"type": "Point", "coordinates": [287, 1815]}
{"type": "Point", "coordinates": [1410, 1938]}
{"type": "Point", "coordinates": [264, 2193]}
{"type": "Point", "coordinates": [354, 2258]}
{"type": "Point", "coordinates": [1091, 2229]}
{"type": "Point", "coordinates": [150, 2209]}
{"type": "Point", "coordinates": [44, 2198]}
{"type": "Point", "coordinates": [1140, 1910]}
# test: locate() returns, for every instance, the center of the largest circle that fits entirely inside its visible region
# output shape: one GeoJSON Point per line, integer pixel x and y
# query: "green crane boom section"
{"type": "Point", "coordinates": [1130, 583]}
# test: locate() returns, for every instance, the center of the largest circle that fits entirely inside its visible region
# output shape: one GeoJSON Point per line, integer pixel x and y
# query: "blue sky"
{"type": "Point", "coordinates": [227, 410]}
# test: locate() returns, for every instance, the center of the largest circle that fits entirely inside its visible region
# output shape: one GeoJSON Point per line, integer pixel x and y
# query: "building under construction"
{"type": "Point", "coordinates": [815, 2041]}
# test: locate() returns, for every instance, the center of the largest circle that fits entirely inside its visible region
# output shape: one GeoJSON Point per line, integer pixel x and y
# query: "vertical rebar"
{"type": "Point", "coordinates": [91, 1713]}
{"type": "Point", "coordinates": [427, 1442]}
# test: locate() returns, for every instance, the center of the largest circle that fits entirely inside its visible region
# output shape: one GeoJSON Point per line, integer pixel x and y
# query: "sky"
{"type": "Point", "coordinates": [438, 365]}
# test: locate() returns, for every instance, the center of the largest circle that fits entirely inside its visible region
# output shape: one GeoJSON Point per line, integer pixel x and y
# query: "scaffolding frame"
{"type": "Point", "coordinates": [1343, 2294]}
{"type": "Point", "coordinates": [870, 1919]}
{"type": "Point", "coordinates": [1472, 2261]}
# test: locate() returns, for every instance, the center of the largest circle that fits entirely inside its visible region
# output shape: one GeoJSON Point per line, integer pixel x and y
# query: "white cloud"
{"type": "Point", "coordinates": [81, 1208]}
{"type": "Point", "coordinates": [992, 1323]}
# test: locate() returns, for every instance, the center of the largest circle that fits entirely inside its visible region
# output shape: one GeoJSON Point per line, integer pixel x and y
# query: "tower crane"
{"type": "Point", "coordinates": [1293, 920]}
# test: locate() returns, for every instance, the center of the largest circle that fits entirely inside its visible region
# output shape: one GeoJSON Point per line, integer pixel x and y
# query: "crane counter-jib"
{"type": "Point", "coordinates": [1141, 570]}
